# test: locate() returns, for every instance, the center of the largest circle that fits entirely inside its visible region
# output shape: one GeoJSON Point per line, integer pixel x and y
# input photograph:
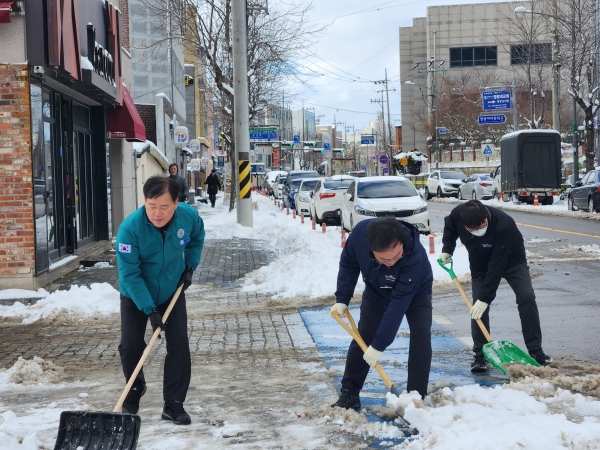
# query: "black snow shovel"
{"type": "Point", "coordinates": [405, 427]}
{"type": "Point", "coordinates": [498, 353]}
{"type": "Point", "coordinates": [98, 430]}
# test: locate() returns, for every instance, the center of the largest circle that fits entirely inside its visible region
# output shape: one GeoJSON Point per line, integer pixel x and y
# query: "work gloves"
{"type": "Point", "coordinates": [478, 309]}
{"type": "Point", "coordinates": [156, 319]}
{"type": "Point", "coordinates": [340, 308]}
{"type": "Point", "coordinates": [186, 278]}
{"type": "Point", "coordinates": [446, 258]}
{"type": "Point", "coordinates": [371, 356]}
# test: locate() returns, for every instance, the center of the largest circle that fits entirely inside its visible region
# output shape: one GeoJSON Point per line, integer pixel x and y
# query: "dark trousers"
{"type": "Point", "coordinates": [178, 365]}
{"type": "Point", "coordinates": [520, 281]}
{"type": "Point", "coordinates": [212, 198]}
{"type": "Point", "coordinates": [419, 353]}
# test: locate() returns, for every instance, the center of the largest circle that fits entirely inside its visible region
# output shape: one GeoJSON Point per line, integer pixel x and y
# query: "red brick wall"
{"type": "Point", "coordinates": [148, 115]}
{"type": "Point", "coordinates": [124, 7]}
{"type": "Point", "coordinates": [17, 246]}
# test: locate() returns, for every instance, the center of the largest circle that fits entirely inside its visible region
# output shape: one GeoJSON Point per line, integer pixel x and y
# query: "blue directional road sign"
{"type": "Point", "coordinates": [495, 100]}
{"type": "Point", "coordinates": [296, 139]}
{"type": "Point", "coordinates": [491, 119]}
{"type": "Point", "coordinates": [326, 146]}
{"type": "Point", "coordinates": [487, 150]}
{"type": "Point", "coordinates": [363, 168]}
{"type": "Point", "coordinates": [442, 130]}
{"type": "Point", "coordinates": [367, 139]}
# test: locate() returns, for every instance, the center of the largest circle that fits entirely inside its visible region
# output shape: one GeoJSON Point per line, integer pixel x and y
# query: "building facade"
{"type": "Point", "coordinates": [471, 42]}
{"type": "Point", "coordinates": [59, 134]}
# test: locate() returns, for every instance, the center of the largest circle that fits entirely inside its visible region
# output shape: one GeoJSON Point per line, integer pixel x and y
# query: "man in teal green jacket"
{"type": "Point", "coordinates": [158, 248]}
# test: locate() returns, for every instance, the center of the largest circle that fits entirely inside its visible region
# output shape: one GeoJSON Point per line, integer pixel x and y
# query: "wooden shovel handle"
{"type": "Point", "coordinates": [359, 340]}
{"type": "Point", "coordinates": [135, 373]}
{"type": "Point", "coordinates": [466, 299]}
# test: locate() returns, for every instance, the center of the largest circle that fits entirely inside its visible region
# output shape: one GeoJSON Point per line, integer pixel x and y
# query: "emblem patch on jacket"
{"type": "Point", "coordinates": [390, 278]}
{"type": "Point", "coordinates": [180, 233]}
{"type": "Point", "coordinates": [487, 245]}
{"type": "Point", "coordinates": [125, 248]}
{"type": "Point", "coordinates": [184, 241]}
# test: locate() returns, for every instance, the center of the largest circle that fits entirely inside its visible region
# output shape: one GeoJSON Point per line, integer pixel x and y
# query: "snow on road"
{"type": "Point", "coordinates": [542, 410]}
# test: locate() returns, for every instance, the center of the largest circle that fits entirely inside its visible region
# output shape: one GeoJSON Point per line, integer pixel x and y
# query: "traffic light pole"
{"type": "Point", "coordinates": [240, 112]}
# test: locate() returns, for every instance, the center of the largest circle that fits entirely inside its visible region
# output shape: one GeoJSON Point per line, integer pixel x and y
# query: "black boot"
{"type": "Point", "coordinates": [131, 405]}
{"type": "Point", "coordinates": [349, 398]}
{"type": "Point", "coordinates": [541, 358]}
{"type": "Point", "coordinates": [174, 411]}
{"type": "Point", "coordinates": [479, 365]}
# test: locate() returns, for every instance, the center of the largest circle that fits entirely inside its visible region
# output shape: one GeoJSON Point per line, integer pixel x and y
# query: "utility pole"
{"type": "Point", "coordinates": [383, 133]}
{"type": "Point", "coordinates": [240, 111]}
{"type": "Point", "coordinates": [388, 150]}
{"type": "Point", "coordinates": [431, 68]}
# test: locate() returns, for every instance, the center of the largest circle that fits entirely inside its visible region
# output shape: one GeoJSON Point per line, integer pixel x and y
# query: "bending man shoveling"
{"type": "Point", "coordinates": [398, 282]}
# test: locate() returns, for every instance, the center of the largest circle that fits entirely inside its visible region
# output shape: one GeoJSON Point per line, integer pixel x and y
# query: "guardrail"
{"type": "Point", "coordinates": [419, 181]}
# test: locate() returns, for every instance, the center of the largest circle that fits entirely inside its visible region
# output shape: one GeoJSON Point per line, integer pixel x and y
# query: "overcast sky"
{"type": "Point", "coordinates": [361, 42]}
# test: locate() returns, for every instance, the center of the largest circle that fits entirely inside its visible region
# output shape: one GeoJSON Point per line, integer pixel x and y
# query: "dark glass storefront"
{"type": "Point", "coordinates": [69, 193]}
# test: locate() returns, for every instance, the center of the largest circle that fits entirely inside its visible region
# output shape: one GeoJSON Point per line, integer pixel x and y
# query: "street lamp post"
{"type": "Point", "coordinates": [574, 127]}
{"type": "Point", "coordinates": [435, 103]}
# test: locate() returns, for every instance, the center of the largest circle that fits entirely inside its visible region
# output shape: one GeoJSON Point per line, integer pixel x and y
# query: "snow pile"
{"type": "Point", "coordinates": [502, 417]}
{"type": "Point", "coordinates": [585, 248]}
{"type": "Point", "coordinates": [31, 372]}
{"type": "Point", "coordinates": [66, 306]}
{"type": "Point", "coordinates": [14, 435]}
{"type": "Point", "coordinates": [307, 260]}
{"type": "Point", "coordinates": [22, 293]}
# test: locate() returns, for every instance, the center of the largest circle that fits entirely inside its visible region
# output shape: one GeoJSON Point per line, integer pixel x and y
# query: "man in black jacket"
{"type": "Point", "coordinates": [496, 250]}
{"type": "Point", "coordinates": [183, 187]}
{"type": "Point", "coordinates": [214, 184]}
{"type": "Point", "coordinates": [398, 281]}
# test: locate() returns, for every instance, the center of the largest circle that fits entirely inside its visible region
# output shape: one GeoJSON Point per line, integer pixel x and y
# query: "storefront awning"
{"type": "Point", "coordinates": [5, 8]}
{"type": "Point", "coordinates": [125, 121]}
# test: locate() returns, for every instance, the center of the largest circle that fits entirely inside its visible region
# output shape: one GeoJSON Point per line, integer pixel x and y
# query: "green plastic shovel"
{"type": "Point", "coordinates": [498, 353]}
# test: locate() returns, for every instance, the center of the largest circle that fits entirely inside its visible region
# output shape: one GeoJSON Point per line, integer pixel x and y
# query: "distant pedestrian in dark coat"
{"type": "Point", "coordinates": [214, 185]}
{"type": "Point", "coordinates": [389, 257]}
{"type": "Point", "coordinates": [496, 251]}
{"type": "Point", "coordinates": [183, 187]}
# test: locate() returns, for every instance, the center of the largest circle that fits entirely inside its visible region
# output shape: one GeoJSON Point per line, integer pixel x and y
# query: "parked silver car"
{"type": "Point", "coordinates": [477, 186]}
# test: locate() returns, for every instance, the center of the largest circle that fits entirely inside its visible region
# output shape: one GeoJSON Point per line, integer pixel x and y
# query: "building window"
{"type": "Point", "coordinates": [530, 54]}
{"type": "Point", "coordinates": [473, 56]}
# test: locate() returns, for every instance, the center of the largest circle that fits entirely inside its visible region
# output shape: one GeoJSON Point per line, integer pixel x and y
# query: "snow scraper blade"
{"type": "Point", "coordinates": [83, 430]}
{"type": "Point", "coordinates": [497, 353]}
{"type": "Point", "coordinates": [405, 427]}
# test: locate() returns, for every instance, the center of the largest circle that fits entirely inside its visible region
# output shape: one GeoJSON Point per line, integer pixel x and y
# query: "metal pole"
{"type": "Point", "coordinates": [240, 111]}
{"type": "Point", "coordinates": [575, 127]}
{"type": "Point", "coordinates": [437, 155]}
{"type": "Point", "coordinates": [555, 91]}
{"type": "Point", "coordinates": [513, 90]}
{"type": "Point", "coordinates": [392, 149]}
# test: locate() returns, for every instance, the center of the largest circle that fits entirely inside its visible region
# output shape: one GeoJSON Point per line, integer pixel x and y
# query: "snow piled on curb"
{"type": "Point", "coordinates": [307, 260]}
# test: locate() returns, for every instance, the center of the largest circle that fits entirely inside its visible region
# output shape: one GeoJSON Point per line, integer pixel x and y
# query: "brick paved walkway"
{"type": "Point", "coordinates": [222, 264]}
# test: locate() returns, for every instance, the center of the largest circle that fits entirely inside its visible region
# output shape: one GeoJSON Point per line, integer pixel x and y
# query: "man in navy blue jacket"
{"type": "Point", "coordinates": [398, 282]}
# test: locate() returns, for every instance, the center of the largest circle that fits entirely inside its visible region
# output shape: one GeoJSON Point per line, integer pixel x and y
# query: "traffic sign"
{"type": "Point", "coordinates": [442, 130]}
{"type": "Point", "coordinates": [296, 139]}
{"type": "Point", "coordinates": [367, 139]}
{"type": "Point", "coordinates": [326, 146]}
{"type": "Point", "coordinates": [364, 168]}
{"type": "Point", "coordinates": [383, 159]}
{"type": "Point", "coordinates": [376, 152]}
{"type": "Point", "coordinates": [495, 100]}
{"type": "Point", "coordinates": [486, 150]}
{"type": "Point", "coordinates": [491, 119]}
{"type": "Point", "coordinates": [385, 170]}
{"type": "Point", "coordinates": [263, 133]}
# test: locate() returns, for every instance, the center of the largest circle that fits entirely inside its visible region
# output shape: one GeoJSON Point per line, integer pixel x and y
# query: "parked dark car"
{"type": "Point", "coordinates": [586, 193]}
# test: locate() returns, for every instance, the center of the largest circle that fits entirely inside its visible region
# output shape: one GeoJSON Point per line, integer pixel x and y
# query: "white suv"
{"type": "Point", "coordinates": [444, 183]}
{"type": "Point", "coordinates": [370, 197]}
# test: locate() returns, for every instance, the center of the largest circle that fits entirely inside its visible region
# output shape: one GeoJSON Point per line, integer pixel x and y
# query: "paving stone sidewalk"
{"type": "Point", "coordinates": [223, 263]}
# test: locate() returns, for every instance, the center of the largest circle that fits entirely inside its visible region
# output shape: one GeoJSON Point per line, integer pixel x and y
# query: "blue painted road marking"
{"type": "Point", "coordinates": [450, 364]}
